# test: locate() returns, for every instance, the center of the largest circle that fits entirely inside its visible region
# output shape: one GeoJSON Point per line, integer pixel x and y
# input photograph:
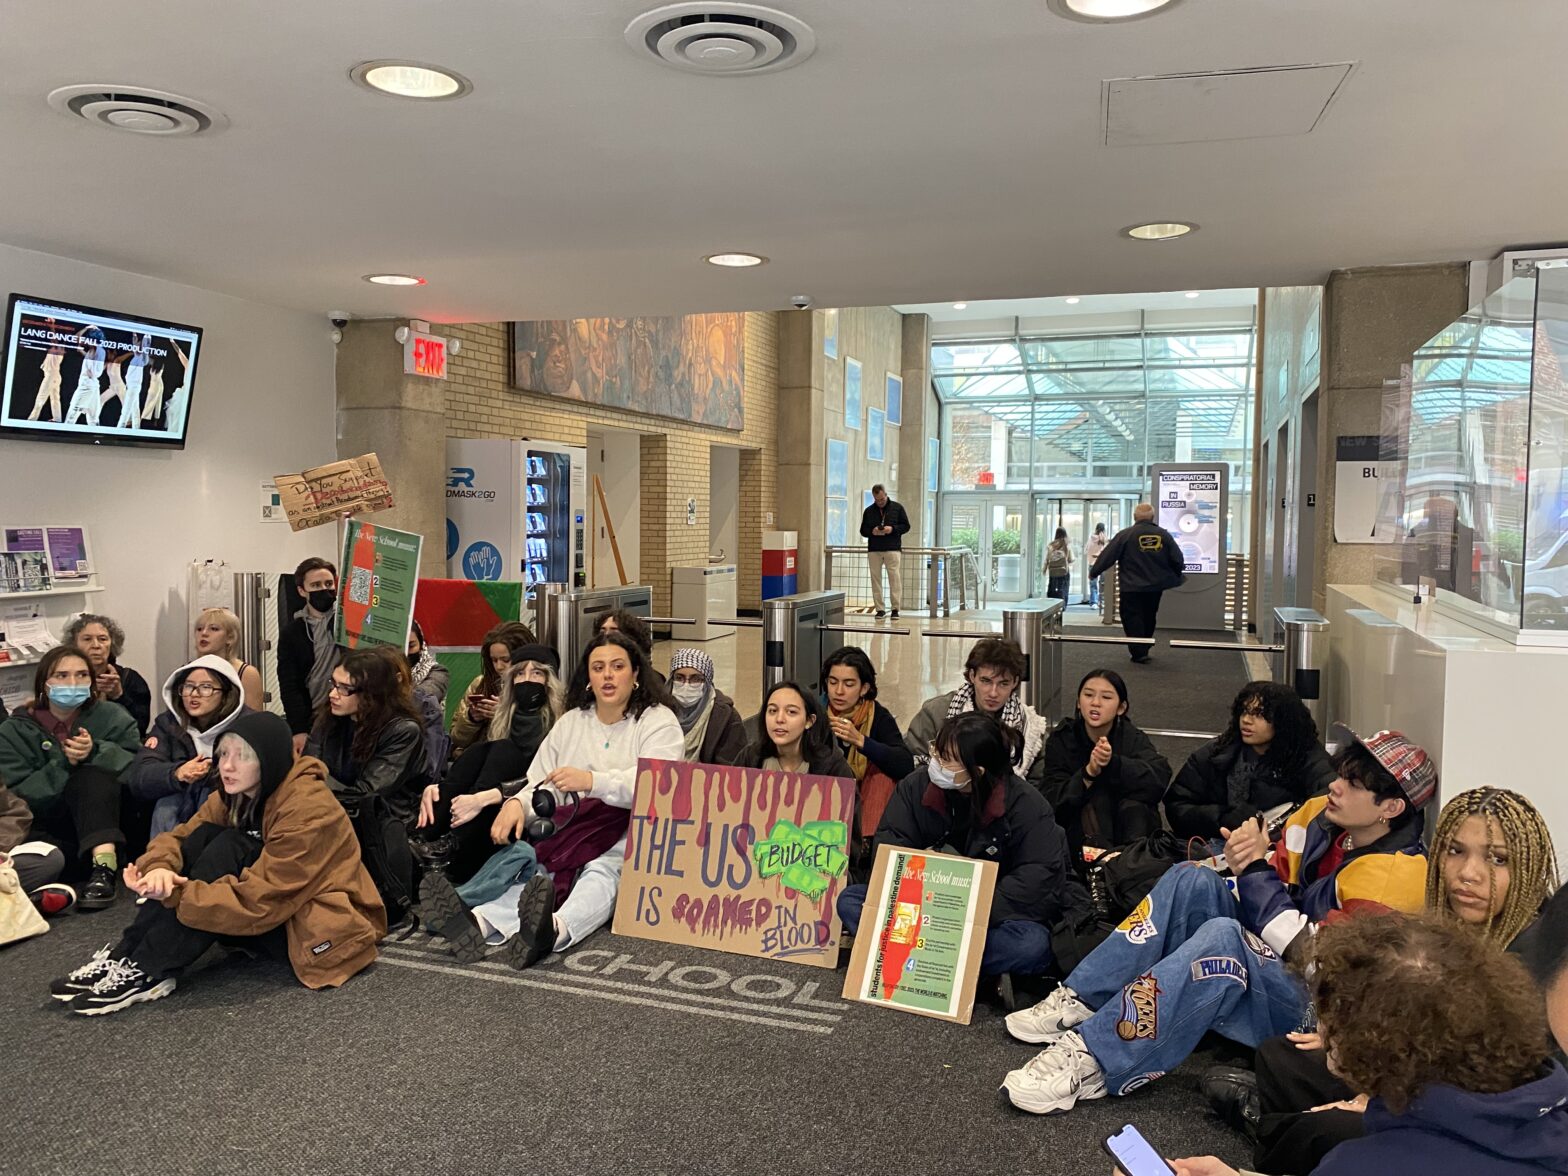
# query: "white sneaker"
{"type": "Point", "coordinates": [1049, 1019]}
{"type": "Point", "coordinates": [1055, 1079]}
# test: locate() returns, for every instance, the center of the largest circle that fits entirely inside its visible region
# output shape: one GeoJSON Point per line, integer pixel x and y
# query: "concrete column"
{"type": "Point", "coordinates": [912, 473]}
{"type": "Point", "coordinates": [402, 419]}
{"type": "Point", "coordinates": [1373, 320]}
{"type": "Point", "coordinates": [802, 469]}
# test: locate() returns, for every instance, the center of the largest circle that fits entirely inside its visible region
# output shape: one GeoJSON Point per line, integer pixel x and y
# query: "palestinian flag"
{"type": "Point", "coordinates": [455, 615]}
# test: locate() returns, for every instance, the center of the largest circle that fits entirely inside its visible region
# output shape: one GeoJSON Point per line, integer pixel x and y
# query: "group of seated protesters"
{"type": "Point", "coordinates": [1310, 907]}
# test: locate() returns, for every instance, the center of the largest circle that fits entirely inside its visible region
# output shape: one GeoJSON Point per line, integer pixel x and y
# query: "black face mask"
{"type": "Point", "coordinates": [322, 599]}
{"type": "Point", "coordinates": [529, 696]}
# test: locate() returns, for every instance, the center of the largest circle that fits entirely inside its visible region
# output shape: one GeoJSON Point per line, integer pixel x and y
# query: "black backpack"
{"type": "Point", "coordinates": [384, 848]}
{"type": "Point", "coordinates": [1118, 883]}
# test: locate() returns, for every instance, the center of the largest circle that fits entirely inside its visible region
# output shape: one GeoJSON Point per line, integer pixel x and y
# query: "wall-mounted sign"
{"type": "Point", "coordinates": [424, 355]}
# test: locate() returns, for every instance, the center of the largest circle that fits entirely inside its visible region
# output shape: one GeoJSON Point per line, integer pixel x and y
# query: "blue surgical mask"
{"type": "Point", "coordinates": [70, 697]}
{"type": "Point", "coordinates": [942, 778]}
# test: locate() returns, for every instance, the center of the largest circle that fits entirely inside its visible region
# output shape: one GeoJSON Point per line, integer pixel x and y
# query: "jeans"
{"type": "Point", "coordinates": [1140, 610]}
{"type": "Point", "coordinates": [587, 908]}
{"type": "Point", "coordinates": [1180, 965]}
{"type": "Point", "coordinates": [1019, 947]}
{"type": "Point", "coordinates": [159, 944]}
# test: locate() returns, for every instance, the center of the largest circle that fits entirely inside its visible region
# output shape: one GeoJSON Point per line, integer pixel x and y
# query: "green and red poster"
{"type": "Point", "coordinates": [380, 577]}
{"type": "Point", "coordinates": [455, 615]}
{"type": "Point", "coordinates": [922, 933]}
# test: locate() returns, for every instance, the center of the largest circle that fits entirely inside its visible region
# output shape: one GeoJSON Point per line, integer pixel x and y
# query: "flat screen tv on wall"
{"type": "Point", "coordinates": [76, 373]}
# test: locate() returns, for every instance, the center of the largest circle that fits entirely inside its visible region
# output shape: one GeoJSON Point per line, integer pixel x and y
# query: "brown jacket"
{"type": "Point", "coordinates": [15, 819]}
{"type": "Point", "coordinates": [309, 876]}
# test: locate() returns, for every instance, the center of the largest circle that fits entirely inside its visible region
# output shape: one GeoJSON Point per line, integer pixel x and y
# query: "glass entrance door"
{"type": "Point", "coordinates": [993, 527]}
{"type": "Point", "coordinates": [1078, 517]}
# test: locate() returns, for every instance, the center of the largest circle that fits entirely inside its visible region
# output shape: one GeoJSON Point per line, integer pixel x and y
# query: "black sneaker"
{"type": "Point", "coordinates": [444, 913]}
{"type": "Point", "coordinates": [894, 614]}
{"type": "Point", "coordinates": [102, 888]}
{"type": "Point", "coordinates": [123, 985]}
{"type": "Point", "coordinates": [881, 612]}
{"type": "Point", "coordinates": [84, 977]}
{"type": "Point", "coordinates": [1233, 1094]}
{"type": "Point", "coordinates": [536, 931]}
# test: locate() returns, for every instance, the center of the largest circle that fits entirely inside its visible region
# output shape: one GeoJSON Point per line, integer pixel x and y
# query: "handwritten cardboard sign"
{"type": "Point", "coordinates": [922, 933]}
{"type": "Point", "coordinates": [356, 485]}
{"type": "Point", "coordinates": [744, 861]}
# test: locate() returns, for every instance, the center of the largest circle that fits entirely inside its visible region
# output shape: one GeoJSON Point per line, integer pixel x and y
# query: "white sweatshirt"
{"type": "Point", "coordinates": [579, 740]}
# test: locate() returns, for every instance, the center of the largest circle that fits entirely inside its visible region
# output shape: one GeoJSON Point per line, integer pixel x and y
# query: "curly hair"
{"type": "Point", "coordinates": [111, 626]}
{"type": "Point", "coordinates": [1407, 1001]}
{"type": "Point", "coordinates": [999, 653]}
{"type": "Point", "coordinates": [1295, 732]}
{"type": "Point", "coordinates": [508, 633]}
{"type": "Point", "coordinates": [646, 693]}
{"type": "Point", "coordinates": [1532, 862]}
{"type": "Point", "coordinates": [384, 695]}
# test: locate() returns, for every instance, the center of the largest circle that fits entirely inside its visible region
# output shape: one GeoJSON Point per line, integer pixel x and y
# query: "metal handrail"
{"type": "Point", "coordinates": [672, 620]}
{"type": "Point", "coordinates": [1230, 645]}
{"type": "Point", "coordinates": [1077, 640]}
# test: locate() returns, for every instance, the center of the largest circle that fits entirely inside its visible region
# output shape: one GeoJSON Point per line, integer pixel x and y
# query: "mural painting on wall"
{"type": "Point", "coordinates": [691, 368]}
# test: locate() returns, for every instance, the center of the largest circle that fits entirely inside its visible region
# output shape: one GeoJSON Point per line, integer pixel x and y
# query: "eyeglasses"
{"type": "Point", "coordinates": [200, 689]}
{"type": "Point", "coordinates": [345, 690]}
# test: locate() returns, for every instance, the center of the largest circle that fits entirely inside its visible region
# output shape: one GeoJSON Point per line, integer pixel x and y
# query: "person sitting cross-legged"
{"type": "Point", "coordinates": [1188, 959]}
{"type": "Point", "coordinates": [993, 683]}
{"type": "Point", "coordinates": [269, 863]}
{"type": "Point", "coordinates": [968, 799]}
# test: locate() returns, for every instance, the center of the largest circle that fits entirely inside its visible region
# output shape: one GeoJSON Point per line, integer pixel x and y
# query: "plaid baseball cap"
{"type": "Point", "coordinates": [1405, 761]}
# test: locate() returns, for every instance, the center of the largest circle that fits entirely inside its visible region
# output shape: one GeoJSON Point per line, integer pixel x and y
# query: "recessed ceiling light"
{"type": "Point", "coordinates": [410, 79]}
{"type": "Point", "coordinates": [736, 260]}
{"type": "Point", "coordinates": [395, 279]}
{"type": "Point", "coordinates": [1107, 11]}
{"type": "Point", "coordinates": [1072, 301]}
{"type": "Point", "coordinates": [960, 306]}
{"type": "Point", "coordinates": [1159, 231]}
{"type": "Point", "coordinates": [1193, 293]}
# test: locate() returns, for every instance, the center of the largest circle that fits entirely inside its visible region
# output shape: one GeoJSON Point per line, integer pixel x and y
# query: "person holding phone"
{"type": "Point", "coordinates": [472, 718]}
{"type": "Point", "coordinates": [1189, 959]}
{"type": "Point", "coordinates": [63, 752]}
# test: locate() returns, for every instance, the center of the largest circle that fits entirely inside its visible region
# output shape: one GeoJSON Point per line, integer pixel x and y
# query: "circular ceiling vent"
{"type": "Point", "coordinates": [142, 112]}
{"type": "Point", "coordinates": [722, 39]}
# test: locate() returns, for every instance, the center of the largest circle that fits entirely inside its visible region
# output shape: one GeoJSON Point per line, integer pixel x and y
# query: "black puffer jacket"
{"type": "Point", "coordinates": [1016, 830]}
{"type": "Point", "coordinates": [1198, 804]}
{"type": "Point", "coordinates": [1147, 557]}
{"type": "Point", "coordinates": [395, 768]}
{"type": "Point", "coordinates": [1123, 801]}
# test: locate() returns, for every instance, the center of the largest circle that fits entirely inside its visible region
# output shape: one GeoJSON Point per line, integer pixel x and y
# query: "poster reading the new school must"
{"type": "Point", "coordinates": [738, 860]}
{"type": "Point", "coordinates": [380, 577]}
{"type": "Point", "coordinates": [922, 933]}
{"type": "Point", "coordinates": [1189, 508]}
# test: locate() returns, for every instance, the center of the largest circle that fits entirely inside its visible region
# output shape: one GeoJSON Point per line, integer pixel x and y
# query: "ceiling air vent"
{"type": "Point", "coordinates": [722, 40]}
{"type": "Point", "coordinates": [142, 112]}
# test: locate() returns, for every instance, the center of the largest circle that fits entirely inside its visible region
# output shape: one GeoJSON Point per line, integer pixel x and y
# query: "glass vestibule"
{"type": "Point", "coordinates": [992, 526]}
{"type": "Point", "coordinates": [1078, 516]}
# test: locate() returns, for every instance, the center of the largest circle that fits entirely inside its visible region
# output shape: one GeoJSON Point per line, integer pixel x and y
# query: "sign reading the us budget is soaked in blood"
{"type": "Point", "coordinates": [744, 861]}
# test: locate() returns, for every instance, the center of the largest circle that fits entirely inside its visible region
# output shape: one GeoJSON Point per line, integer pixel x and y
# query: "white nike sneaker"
{"type": "Point", "coordinates": [1055, 1079]}
{"type": "Point", "coordinates": [1049, 1019]}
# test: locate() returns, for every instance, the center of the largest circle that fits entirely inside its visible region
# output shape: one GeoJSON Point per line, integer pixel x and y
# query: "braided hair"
{"type": "Point", "coordinates": [1532, 862]}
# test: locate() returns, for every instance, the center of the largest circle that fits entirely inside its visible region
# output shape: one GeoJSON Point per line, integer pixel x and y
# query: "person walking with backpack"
{"type": "Point", "coordinates": [1149, 561]}
{"type": "Point", "coordinates": [1058, 566]}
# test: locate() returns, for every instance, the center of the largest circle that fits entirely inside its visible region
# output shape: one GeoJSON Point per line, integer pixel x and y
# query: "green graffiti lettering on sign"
{"type": "Point", "coordinates": [803, 859]}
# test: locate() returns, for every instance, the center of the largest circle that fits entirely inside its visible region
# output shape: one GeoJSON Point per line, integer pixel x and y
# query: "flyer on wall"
{"type": "Point", "coordinates": [380, 579]}
{"type": "Point", "coordinates": [1189, 507]}
{"type": "Point", "coordinates": [922, 933]}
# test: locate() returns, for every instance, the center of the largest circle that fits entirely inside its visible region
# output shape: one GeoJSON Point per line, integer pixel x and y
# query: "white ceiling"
{"type": "Point", "coordinates": [929, 150]}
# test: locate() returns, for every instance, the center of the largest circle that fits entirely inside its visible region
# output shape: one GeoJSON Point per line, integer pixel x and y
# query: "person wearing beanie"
{"type": "Point", "coordinates": [713, 729]}
{"type": "Point", "coordinates": [176, 768]}
{"type": "Point", "coordinates": [462, 808]}
{"type": "Point", "coordinates": [269, 862]}
{"type": "Point", "coordinates": [1190, 958]}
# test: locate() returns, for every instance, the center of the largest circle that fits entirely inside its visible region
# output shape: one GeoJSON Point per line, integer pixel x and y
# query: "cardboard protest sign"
{"type": "Point", "coordinates": [744, 861]}
{"type": "Point", "coordinates": [922, 933]}
{"type": "Point", "coordinates": [356, 485]}
{"type": "Point", "coordinates": [380, 578]}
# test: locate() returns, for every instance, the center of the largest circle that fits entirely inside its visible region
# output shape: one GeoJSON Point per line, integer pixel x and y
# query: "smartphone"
{"type": "Point", "coordinates": [1134, 1155]}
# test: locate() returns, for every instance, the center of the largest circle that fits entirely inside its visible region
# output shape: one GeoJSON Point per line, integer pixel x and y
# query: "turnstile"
{"type": "Point", "coordinates": [799, 631]}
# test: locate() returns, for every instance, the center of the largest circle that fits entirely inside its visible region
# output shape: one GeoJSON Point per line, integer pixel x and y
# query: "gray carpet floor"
{"type": "Point", "coordinates": [709, 1063]}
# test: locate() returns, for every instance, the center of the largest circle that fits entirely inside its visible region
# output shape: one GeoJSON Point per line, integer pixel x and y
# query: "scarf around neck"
{"type": "Point", "coordinates": [860, 718]}
{"type": "Point", "coordinates": [321, 640]}
{"type": "Point", "coordinates": [964, 700]}
{"type": "Point", "coordinates": [421, 668]}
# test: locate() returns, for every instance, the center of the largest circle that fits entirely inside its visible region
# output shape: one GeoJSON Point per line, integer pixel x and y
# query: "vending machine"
{"type": "Point", "coordinates": [517, 510]}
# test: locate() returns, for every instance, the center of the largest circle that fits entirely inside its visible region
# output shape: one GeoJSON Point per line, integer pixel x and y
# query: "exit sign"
{"type": "Point", "coordinates": [424, 355]}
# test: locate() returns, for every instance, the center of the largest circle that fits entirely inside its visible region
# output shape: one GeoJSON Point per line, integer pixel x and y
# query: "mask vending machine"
{"type": "Point", "coordinates": [517, 510]}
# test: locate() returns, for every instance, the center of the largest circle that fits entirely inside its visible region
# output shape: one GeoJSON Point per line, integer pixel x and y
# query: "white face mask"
{"type": "Point", "coordinates": [942, 778]}
{"type": "Point", "coordinates": [688, 693]}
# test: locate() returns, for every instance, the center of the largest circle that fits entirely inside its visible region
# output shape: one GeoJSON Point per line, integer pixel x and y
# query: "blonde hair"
{"type": "Point", "coordinates": [228, 622]}
{"type": "Point", "coordinates": [555, 690]}
{"type": "Point", "coordinates": [1532, 862]}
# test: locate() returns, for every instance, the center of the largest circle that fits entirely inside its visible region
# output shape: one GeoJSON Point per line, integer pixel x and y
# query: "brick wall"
{"type": "Point", "coordinates": [674, 455]}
